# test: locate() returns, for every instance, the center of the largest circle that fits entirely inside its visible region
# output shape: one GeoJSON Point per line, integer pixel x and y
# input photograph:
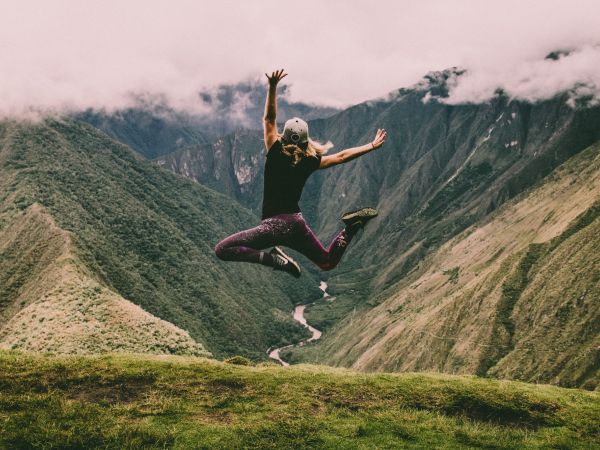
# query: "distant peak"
{"type": "Point", "coordinates": [434, 84]}
{"type": "Point", "coordinates": [440, 78]}
{"type": "Point", "coordinates": [558, 54]}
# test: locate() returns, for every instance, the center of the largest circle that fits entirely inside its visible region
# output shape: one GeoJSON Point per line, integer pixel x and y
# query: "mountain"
{"type": "Point", "coordinates": [479, 178]}
{"type": "Point", "coordinates": [50, 302]}
{"type": "Point", "coordinates": [233, 165]}
{"type": "Point", "coordinates": [242, 105]}
{"type": "Point", "coordinates": [90, 228]}
{"type": "Point", "coordinates": [513, 296]}
{"type": "Point", "coordinates": [129, 401]}
{"type": "Point", "coordinates": [153, 128]}
{"type": "Point", "coordinates": [443, 169]}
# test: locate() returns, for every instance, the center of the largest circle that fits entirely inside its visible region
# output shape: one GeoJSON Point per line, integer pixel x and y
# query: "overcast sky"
{"type": "Point", "coordinates": [80, 53]}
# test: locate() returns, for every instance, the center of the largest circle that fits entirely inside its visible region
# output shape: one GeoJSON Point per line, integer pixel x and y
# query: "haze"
{"type": "Point", "coordinates": [69, 55]}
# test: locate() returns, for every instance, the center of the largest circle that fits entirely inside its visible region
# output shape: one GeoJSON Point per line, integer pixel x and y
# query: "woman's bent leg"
{"type": "Point", "coordinates": [289, 230]}
{"type": "Point", "coordinates": [247, 245]}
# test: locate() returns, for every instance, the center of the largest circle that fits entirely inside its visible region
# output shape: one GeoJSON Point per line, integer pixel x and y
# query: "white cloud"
{"type": "Point", "coordinates": [75, 54]}
{"type": "Point", "coordinates": [534, 80]}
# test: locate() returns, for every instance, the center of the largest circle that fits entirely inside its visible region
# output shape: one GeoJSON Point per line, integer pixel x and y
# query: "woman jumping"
{"type": "Point", "coordinates": [291, 157]}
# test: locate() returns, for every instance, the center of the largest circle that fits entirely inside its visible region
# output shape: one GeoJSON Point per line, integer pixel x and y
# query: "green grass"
{"type": "Point", "coordinates": [130, 401]}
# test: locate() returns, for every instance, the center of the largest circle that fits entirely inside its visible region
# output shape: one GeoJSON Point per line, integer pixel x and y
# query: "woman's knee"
{"type": "Point", "coordinates": [220, 250]}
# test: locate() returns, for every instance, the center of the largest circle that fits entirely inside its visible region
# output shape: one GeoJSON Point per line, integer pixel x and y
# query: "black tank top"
{"type": "Point", "coordinates": [284, 182]}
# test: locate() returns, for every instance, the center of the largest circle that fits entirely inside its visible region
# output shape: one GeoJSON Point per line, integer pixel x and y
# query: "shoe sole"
{"type": "Point", "coordinates": [284, 255]}
{"type": "Point", "coordinates": [363, 213]}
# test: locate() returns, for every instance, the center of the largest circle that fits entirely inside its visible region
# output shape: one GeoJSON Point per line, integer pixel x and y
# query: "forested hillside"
{"type": "Point", "coordinates": [136, 232]}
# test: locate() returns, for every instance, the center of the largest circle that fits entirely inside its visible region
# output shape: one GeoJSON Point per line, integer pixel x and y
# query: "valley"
{"type": "Point", "coordinates": [298, 315]}
{"type": "Point", "coordinates": [482, 258]}
{"type": "Point", "coordinates": [447, 170]}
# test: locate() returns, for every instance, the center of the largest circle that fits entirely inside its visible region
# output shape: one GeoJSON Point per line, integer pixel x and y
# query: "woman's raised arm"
{"type": "Point", "coordinates": [352, 153]}
{"type": "Point", "coordinates": [269, 120]}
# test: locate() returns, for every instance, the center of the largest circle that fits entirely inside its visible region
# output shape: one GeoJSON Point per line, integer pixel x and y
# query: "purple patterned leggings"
{"type": "Point", "coordinates": [289, 230]}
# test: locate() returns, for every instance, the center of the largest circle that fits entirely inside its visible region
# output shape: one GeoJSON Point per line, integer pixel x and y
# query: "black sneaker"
{"type": "Point", "coordinates": [355, 220]}
{"type": "Point", "coordinates": [282, 261]}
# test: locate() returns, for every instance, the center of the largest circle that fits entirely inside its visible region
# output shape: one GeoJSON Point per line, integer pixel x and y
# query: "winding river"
{"type": "Point", "coordinates": [298, 315]}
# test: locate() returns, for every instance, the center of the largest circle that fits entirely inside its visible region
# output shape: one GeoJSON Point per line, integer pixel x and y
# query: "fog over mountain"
{"type": "Point", "coordinates": [68, 55]}
{"type": "Point", "coordinates": [154, 128]}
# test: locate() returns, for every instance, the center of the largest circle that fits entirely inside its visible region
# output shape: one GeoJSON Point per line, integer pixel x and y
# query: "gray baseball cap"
{"type": "Point", "coordinates": [295, 131]}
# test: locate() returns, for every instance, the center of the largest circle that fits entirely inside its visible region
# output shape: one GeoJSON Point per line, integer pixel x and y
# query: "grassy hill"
{"type": "Point", "coordinates": [132, 402]}
{"type": "Point", "coordinates": [136, 232]}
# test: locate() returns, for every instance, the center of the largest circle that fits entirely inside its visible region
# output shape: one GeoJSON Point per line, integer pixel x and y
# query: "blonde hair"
{"type": "Point", "coordinates": [313, 148]}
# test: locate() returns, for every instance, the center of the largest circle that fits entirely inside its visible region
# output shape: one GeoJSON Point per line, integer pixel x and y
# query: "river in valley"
{"type": "Point", "coordinates": [298, 315]}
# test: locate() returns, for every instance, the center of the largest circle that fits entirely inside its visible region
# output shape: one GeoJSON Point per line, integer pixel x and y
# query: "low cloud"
{"type": "Point", "coordinates": [65, 55]}
{"type": "Point", "coordinates": [576, 72]}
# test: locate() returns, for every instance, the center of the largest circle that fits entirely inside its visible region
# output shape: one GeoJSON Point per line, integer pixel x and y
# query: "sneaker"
{"type": "Point", "coordinates": [282, 261]}
{"type": "Point", "coordinates": [355, 220]}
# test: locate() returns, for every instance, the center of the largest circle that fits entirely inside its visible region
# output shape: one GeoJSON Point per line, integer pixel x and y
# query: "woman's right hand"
{"type": "Point", "coordinates": [275, 77]}
{"type": "Point", "coordinates": [379, 138]}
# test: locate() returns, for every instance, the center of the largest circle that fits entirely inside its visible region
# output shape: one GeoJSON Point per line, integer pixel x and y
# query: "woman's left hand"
{"type": "Point", "coordinates": [275, 77]}
{"type": "Point", "coordinates": [379, 138]}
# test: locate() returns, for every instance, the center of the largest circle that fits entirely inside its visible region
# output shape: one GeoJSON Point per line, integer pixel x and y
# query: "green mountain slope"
{"type": "Point", "coordinates": [443, 168]}
{"type": "Point", "coordinates": [151, 131]}
{"type": "Point", "coordinates": [514, 296]}
{"type": "Point", "coordinates": [173, 402]}
{"type": "Point", "coordinates": [49, 301]}
{"type": "Point", "coordinates": [145, 235]}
